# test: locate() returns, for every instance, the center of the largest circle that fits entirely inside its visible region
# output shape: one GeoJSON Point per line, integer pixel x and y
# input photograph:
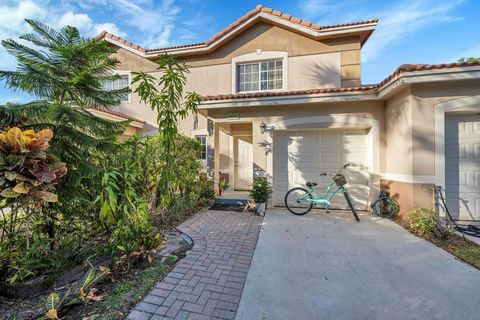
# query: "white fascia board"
{"type": "Point", "coordinates": [288, 100]}
{"type": "Point", "coordinates": [124, 46]}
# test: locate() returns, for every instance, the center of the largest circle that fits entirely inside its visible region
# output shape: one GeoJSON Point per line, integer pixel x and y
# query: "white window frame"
{"type": "Point", "coordinates": [129, 74]}
{"type": "Point", "coordinates": [205, 147]}
{"type": "Point", "coordinates": [260, 56]}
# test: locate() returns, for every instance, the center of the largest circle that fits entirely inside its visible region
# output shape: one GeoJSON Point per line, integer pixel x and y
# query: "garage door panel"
{"type": "Point", "coordinates": [310, 153]}
{"type": "Point", "coordinates": [330, 157]}
{"type": "Point", "coordinates": [329, 138]}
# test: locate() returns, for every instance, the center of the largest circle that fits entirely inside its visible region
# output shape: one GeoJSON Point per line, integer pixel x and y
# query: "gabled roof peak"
{"type": "Point", "coordinates": [259, 12]}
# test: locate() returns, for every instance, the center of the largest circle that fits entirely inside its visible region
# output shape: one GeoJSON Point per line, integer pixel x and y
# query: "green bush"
{"type": "Point", "coordinates": [422, 220]}
{"type": "Point", "coordinates": [426, 222]}
{"type": "Point", "coordinates": [261, 190]}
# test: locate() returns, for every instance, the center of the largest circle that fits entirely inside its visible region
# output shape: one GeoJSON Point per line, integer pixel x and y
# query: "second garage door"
{"type": "Point", "coordinates": [300, 156]}
{"type": "Point", "coordinates": [462, 160]}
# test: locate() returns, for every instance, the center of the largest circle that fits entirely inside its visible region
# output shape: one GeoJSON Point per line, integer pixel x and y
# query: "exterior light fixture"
{"type": "Point", "coordinates": [264, 127]}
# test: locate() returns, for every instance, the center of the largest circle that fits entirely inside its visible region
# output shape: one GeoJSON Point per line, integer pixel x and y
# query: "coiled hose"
{"type": "Point", "coordinates": [385, 206]}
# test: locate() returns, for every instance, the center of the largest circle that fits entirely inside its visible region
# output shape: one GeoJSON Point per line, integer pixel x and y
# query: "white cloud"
{"type": "Point", "coordinates": [81, 21]}
{"type": "Point", "coordinates": [404, 19]}
{"type": "Point", "coordinates": [12, 24]}
{"type": "Point", "coordinates": [109, 27]}
{"type": "Point", "coordinates": [86, 26]}
{"type": "Point", "coordinates": [155, 20]}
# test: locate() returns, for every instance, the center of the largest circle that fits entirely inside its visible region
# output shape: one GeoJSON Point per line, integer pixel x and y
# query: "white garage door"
{"type": "Point", "coordinates": [462, 166]}
{"type": "Point", "coordinates": [300, 156]}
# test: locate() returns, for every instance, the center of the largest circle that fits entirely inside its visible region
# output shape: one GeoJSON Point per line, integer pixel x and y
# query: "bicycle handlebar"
{"type": "Point", "coordinates": [345, 166]}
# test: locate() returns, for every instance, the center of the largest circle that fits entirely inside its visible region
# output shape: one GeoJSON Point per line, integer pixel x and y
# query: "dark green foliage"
{"type": "Point", "coordinates": [64, 73]}
{"type": "Point", "coordinates": [261, 190]}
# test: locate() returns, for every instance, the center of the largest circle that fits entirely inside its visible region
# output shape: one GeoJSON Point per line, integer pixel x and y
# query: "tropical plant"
{"type": "Point", "coordinates": [64, 72]}
{"type": "Point", "coordinates": [166, 97]}
{"type": "Point", "coordinates": [28, 176]}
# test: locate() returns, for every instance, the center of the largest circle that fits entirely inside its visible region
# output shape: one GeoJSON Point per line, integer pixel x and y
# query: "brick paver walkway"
{"type": "Point", "coordinates": [208, 282]}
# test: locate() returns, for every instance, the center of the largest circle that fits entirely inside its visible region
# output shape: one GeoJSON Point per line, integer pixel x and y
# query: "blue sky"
{"type": "Point", "coordinates": [410, 31]}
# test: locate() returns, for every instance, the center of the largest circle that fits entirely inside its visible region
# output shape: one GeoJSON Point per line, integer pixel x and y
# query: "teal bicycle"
{"type": "Point", "coordinates": [300, 201]}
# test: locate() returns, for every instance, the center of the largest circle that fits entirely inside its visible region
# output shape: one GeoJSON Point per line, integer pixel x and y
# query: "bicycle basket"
{"type": "Point", "coordinates": [340, 180]}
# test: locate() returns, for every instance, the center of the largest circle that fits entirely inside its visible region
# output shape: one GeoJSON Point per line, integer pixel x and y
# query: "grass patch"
{"type": "Point", "coordinates": [462, 248]}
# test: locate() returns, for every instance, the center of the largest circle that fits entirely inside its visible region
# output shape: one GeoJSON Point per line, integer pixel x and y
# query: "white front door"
{"type": "Point", "coordinates": [243, 163]}
{"type": "Point", "coordinates": [462, 166]}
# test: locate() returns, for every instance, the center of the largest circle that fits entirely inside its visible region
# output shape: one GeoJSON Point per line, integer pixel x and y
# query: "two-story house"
{"type": "Point", "coordinates": [283, 98]}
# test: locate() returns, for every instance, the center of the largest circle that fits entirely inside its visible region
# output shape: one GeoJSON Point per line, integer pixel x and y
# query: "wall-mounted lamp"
{"type": "Point", "coordinates": [264, 127]}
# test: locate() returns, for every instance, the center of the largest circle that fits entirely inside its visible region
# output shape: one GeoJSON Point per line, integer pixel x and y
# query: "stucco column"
{"type": "Point", "coordinates": [216, 156]}
{"type": "Point", "coordinates": [260, 149]}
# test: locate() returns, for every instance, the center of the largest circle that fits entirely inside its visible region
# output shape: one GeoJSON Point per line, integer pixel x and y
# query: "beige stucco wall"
{"type": "Point", "coordinates": [424, 98]}
{"type": "Point", "coordinates": [409, 196]}
{"type": "Point", "coordinates": [314, 71]}
{"type": "Point", "coordinates": [398, 133]}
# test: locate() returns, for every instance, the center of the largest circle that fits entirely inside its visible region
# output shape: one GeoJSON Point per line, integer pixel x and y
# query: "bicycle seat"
{"type": "Point", "coordinates": [311, 184]}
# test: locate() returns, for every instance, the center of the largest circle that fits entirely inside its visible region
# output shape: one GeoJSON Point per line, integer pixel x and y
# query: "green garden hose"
{"type": "Point", "coordinates": [385, 206]}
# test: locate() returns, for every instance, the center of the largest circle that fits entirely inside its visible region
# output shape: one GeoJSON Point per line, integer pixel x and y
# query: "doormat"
{"type": "Point", "coordinates": [227, 207]}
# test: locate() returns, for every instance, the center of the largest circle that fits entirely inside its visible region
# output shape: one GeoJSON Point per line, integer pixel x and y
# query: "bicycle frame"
{"type": "Point", "coordinates": [323, 200]}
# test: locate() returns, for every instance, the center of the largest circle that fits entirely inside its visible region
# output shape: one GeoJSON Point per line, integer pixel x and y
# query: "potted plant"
{"type": "Point", "coordinates": [221, 186]}
{"type": "Point", "coordinates": [261, 190]}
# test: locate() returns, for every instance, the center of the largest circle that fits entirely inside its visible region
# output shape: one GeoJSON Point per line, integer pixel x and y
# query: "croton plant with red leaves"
{"type": "Point", "coordinates": [28, 175]}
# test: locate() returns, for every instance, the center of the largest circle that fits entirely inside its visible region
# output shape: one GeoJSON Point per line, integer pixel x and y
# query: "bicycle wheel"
{"type": "Point", "coordinates": [350, 204]}
{"type": "Point", "coordinates": [294, 203]}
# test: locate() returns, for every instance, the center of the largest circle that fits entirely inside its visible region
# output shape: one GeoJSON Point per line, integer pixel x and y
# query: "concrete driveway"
{"type": "Point", "coordinates": [326, 266]}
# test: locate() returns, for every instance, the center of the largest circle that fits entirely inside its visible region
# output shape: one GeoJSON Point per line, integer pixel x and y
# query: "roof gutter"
{"type": "Point", "coordinates": [290, 100]}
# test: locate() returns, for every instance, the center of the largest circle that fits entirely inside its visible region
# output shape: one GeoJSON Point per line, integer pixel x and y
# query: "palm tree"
{"type": "Point", "coordinates": [64, 73]}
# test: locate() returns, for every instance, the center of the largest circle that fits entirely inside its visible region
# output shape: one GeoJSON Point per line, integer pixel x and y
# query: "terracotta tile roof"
{"type": "Point", "coordinates": [105, 34]}
{"type": "Point", "coordinates": [263, 94]}
{"type": "Point", "coordinates": [258, 9]}
{"type": "Point", "coordinates": [423, 67]}
{"type": "Point", "coordinates": [402, 69]}
{"type": "Point", "coordinates": [118, 114]}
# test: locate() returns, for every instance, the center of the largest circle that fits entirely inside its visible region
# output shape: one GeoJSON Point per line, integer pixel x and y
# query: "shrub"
{"type": "Point", "coordinates": [426, 222]}
{"type": "Point", "coordinates": [261, 190]}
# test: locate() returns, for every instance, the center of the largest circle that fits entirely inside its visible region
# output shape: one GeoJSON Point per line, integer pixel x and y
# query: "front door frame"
{"type": "Point", "coordinates": [235, 160]}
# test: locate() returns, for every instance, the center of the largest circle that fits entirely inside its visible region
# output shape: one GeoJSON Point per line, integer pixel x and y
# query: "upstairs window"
{"type": "Point", "coordinates": [203, 143]}
{"type": "Point", "coordinates": [260, 76]}
{"type": "Point", "coordinates": [119, 83]}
